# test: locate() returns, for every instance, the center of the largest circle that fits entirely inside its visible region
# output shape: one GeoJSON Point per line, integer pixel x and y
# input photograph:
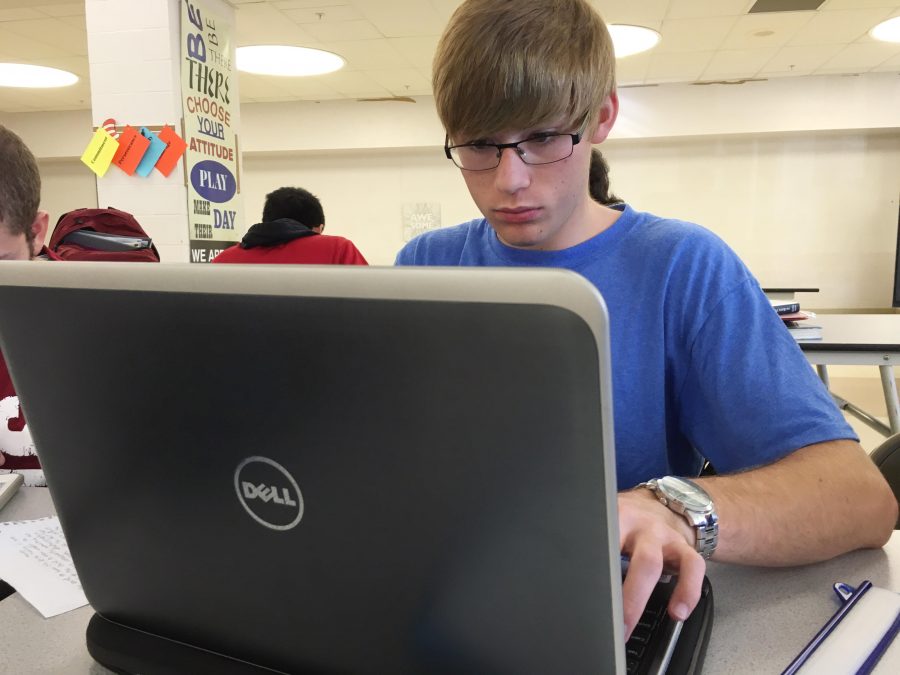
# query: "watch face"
{"type": "Point", "coordinates": [692, 496]}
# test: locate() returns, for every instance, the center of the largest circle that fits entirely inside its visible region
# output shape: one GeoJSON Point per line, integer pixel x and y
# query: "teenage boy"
{"type": "Point", "coordinates": [22, 231]}
{"type": "Point", "coordinates": [703, 368]}
{"type": "Point", "coordinates": [291, 232]}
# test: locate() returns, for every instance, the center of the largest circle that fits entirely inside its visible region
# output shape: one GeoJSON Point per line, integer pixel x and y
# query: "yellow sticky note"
{"type": "Point", "coordinates": [99, 152]}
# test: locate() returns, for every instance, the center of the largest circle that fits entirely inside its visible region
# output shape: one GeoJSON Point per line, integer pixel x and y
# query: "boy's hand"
{"type": "Point", "coordinates": [656, 539]}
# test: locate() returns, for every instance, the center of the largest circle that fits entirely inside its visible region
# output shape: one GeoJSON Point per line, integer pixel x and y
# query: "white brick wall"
{"type": "Point", "coordinates": [134, 52]}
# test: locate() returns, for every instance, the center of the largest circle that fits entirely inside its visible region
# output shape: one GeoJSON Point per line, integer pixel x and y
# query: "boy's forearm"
{"type": "Point", "coordinates": [816, 503]}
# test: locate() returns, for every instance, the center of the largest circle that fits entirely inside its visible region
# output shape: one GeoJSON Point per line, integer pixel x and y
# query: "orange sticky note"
{"type": "Point", "coordinates": [173, 152]}
{"type": "Point", "coordinates": [132, 147]}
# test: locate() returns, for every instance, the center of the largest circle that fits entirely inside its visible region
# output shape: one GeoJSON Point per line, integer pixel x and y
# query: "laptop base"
{"type": "Point", "coordinates": [128, 650]}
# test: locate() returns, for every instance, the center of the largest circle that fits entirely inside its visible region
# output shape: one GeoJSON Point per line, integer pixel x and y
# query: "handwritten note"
{"type": "Point", "coordinates": [35, 560]}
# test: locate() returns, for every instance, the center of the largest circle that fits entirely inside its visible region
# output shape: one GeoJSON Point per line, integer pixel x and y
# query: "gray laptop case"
{"type": "Point", "coordinates": [330, 469]}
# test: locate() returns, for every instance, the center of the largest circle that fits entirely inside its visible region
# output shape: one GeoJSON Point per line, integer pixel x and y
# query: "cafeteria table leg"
{"type": "Point", "coordinates": [890, 397]}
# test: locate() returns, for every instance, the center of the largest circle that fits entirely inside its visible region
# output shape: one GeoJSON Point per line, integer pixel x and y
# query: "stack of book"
{"type": "Point", "coordinates": [795, 320]}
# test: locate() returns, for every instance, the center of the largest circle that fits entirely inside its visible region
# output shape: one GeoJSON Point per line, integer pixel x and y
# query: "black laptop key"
{"type": "Point", "coordinates": [659, 644]}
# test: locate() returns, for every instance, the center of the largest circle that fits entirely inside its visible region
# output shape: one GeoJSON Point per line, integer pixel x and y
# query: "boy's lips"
{"type": "Point", "coordinates": [519, 214]}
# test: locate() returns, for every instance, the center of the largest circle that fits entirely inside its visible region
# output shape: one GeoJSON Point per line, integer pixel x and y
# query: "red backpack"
{"type": "Point", "coordinates": [101, 234]}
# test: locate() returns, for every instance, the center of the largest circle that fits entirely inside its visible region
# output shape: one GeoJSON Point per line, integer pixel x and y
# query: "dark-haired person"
{"type": "Point", "coordinates": [22, 230]}
{"type": "Point", "coordinates": [598, 180]}
{"type": "Point", "coordinates": [291, 232]}
{"type": "Point", "coordinates": [702, 366]}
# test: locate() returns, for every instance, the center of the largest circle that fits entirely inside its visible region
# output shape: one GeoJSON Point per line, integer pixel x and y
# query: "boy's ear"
{"type": "Point", "coordinates": [39, 228]}
{"type": "Point", "coordinates": [609, 110]}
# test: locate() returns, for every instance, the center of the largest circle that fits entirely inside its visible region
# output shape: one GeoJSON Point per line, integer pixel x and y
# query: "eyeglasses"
{"type": "Point", "coordinates": [537, 149]}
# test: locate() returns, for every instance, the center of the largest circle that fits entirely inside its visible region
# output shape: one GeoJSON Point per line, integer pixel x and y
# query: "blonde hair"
{"type": "Point", "coordinates": [516, 64]}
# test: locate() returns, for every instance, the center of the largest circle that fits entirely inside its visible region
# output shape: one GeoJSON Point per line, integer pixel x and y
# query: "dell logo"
{"type": "Point", "coordinates": [269, 493]}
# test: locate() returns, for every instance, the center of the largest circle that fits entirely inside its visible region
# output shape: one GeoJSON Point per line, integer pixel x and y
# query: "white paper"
{"type": "Point", "coordinates": [35, 560]}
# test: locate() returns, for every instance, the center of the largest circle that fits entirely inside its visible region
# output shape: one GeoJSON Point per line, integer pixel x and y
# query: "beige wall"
{"type": "Point", "coordinates": [65, 186]}
{"type": "Point", "coordinates": [804, 210]}
{"type": "Point", "coordinates": [800, 176]}
{"type": "Point", "coordinates": [811, 210]}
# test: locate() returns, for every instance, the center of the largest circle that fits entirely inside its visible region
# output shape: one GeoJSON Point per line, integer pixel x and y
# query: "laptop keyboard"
{"type": "Point", "coordinates": [651, 643]}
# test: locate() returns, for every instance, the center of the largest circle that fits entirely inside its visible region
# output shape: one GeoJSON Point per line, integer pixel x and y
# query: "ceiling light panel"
{"type": "Point", "coordinates": [29, 76]}
{"type": "Point", "coordinates": [286, 61]}
{"type": "Point", "coordinates": [887, 31]}
{"type": "Point", "coordinates": [629, 40]}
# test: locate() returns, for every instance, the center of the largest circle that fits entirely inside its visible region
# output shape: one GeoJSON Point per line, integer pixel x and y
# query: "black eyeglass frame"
{"type": "Point", "coordinates": [576, 139]}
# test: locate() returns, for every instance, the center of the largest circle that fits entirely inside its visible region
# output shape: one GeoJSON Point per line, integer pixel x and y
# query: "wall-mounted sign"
{"type": "Point", "coordinates": [420, 217]}
{"type": "Point", "coordinates": [211, 111]}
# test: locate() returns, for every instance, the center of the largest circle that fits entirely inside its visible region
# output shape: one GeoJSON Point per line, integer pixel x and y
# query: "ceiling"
{"type": "Point", "coordinates": [388, 44]}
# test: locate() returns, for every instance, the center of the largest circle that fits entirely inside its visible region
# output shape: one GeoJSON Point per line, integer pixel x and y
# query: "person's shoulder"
{"type": "Point", "coordinates": [443, 246]}
{"type": "Point", "coordinates": [226, 255]}
{"type": "Point", "coordinates": [660, 229]}
{"type": "Point", "coordinates": [330, 239]}
{"type": "Point", "coordinates": [676, 240]}
{"type": "Point", "coordinates": [345, 250]}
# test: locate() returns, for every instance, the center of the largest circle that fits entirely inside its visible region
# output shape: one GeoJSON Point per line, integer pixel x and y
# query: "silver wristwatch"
{"type": "Point", "coordinates": [690, 500]}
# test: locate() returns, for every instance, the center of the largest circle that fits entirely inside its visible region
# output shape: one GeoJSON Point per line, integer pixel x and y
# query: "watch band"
{"type": "Point", "coordinates": [705, 522]}
{"type": "Point", "coordinates": [707, 529]}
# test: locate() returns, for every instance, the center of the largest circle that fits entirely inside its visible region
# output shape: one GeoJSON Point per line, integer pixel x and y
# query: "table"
{"type": "Point", "coordinates": [787, 293]}
{"type": "Point", "coordinates": [29, 643]}
{"type": "Point", "coordinates": [763, 616]}
{"type": "Point", "coordinates": [860, 340]}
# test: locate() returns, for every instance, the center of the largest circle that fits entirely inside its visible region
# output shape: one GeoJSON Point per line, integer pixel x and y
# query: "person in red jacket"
{"type": "Point", "coordinates": [22, 230]}
{"type": "Point", "coordinates": [291, 232]}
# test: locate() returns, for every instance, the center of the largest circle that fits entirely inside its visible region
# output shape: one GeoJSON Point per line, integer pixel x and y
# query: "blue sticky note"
{"type": "Point", "coordinates": [154, 152]}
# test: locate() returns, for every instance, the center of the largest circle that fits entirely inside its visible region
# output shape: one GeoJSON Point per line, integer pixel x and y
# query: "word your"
{"type": "Point", "coordinates": [210, 128]}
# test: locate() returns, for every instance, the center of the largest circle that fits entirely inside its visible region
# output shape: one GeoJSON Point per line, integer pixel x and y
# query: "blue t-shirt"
{"type": "Point", "coordinates": [702, 365]}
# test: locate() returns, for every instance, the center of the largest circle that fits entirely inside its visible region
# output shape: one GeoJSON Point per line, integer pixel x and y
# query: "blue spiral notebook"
{"type": "Point", "coordinates": [860, 638]}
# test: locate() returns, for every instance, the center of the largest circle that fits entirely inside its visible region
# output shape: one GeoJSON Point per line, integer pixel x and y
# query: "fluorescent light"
{"type": "Point", "coordinates": [286, 61]}
{"type": "Point", "coordinates": [887, 31]}
{"type": "Point", "coordinates": [34, 77]}
{"type": "Point", "coordinates": [628, 40]}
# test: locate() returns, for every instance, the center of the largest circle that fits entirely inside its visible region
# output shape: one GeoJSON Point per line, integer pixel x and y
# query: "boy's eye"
{"type": "Point", "coordinates": [541, 138]}
{"type": "Point", "coordinates": [481, 147]}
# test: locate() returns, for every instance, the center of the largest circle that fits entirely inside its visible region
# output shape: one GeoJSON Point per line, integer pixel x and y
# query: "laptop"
{"type": "Point", "coordinates": [331, 469]}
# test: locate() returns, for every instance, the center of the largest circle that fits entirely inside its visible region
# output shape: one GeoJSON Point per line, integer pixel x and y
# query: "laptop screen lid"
{"type": "Point", "coordinates": [331, 468]}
